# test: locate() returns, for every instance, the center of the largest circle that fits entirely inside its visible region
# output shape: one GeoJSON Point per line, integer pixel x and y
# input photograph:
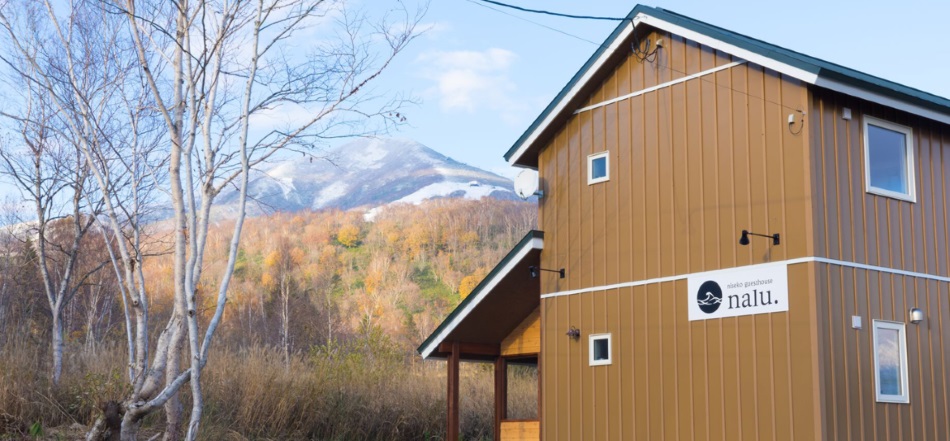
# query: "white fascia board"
{"type": "Point", "coordinates": [730, 49]}
{"type": "Point", "coordinates": [794, 72]}
{"type": "Point", "coordinates": [882, 99]}
{"type": "Point", "coordinates": [535, 244]}
{"type": "Point", "coordinates": [570, 95]}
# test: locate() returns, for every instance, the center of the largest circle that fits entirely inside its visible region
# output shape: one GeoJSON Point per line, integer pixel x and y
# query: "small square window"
{"type": "Point", "coordinates": [598, 168]}
{"type": "Point", "coordinates": [600, 349]}
{"type": "Point", "coordinates": [890, 362]}
{"type": "Point", "coordinates": [889, 159]}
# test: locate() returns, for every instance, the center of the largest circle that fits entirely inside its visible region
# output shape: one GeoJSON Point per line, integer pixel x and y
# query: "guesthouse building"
{"type": "Point", "coordinates": [735, 241]}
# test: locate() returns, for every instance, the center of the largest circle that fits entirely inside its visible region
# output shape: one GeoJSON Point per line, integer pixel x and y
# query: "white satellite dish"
{"type": "Point", "coordinates": [526, 184]}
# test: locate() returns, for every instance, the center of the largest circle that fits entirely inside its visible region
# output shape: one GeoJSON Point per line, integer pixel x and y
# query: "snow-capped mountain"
{"type": "Point", "coordinates": [367, 173]}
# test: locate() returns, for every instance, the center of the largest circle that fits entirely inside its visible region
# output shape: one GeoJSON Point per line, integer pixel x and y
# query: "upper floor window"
{"type": "Point", "coordinates": [890, 362]}
{"type": "Point", "coordinates": [598, 168]}
{"type": "Point", "coordinates": [889, 159]}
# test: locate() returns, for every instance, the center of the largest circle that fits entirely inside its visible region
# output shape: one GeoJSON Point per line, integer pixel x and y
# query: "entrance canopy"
{"type": "Point", "coordinates": [495, 307]}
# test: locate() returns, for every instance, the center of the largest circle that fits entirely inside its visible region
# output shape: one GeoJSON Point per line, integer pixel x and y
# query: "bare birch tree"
{"type": "Point", "coordinates": [53, 178]}
{"type": "Point", "coordinates": [214, 73]}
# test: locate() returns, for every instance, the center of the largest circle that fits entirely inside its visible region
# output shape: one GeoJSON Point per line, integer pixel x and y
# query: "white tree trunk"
{"type": "Point", "coordinates": [57, 346]}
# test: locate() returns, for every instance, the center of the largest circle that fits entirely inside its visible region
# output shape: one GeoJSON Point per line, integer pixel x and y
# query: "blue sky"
{"type": "Point", "coordinates": [482, 76]}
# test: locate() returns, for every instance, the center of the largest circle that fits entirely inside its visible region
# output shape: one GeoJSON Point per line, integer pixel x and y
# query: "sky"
{"type": "Point", "coordinates": [482, 73]}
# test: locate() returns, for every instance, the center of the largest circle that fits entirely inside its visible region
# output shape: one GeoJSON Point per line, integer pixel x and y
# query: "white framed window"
{"type": "Point", "coordinates": [890, 362]}
{"type": "Point", "coordinates": [598, 167]}
{"type": "Point", "coordinates": [600, 350]}
{"type": "Point", "coordinates": [889, 159]}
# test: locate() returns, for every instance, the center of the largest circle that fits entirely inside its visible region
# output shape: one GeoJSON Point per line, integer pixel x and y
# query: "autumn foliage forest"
{"type": "Point", "coordinates": [319, 334]}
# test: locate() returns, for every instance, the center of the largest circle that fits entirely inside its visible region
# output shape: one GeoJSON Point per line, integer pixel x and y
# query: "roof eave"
{"type": "Point", "coordinates": [534, 240]}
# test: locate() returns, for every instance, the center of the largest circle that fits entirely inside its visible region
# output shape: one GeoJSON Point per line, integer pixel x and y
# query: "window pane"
{"type": "Point", "coordinates": [600, 349]}
{"type": "Point", "coordinates": [598, 168]}
{"type": "Point", "coordinates": [889, 361]}
{"type": "Point", "coordinates": [887, 159]}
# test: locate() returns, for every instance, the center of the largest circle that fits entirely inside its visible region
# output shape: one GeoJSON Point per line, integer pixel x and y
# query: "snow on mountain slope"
{"type": "Point", "coordinates": [367, 173]}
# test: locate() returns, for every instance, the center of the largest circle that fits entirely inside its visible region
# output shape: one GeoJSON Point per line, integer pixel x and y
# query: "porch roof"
{"type": "Point", "coordinates": [494, 308]}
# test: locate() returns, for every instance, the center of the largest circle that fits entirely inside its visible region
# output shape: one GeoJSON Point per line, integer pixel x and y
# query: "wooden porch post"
{"type": "Point", "coordinates": [501, 394]}
{"type": "Point", "coordinates": [453, 394]}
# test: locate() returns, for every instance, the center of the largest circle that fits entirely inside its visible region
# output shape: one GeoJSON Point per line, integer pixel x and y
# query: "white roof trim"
{"type": "Point", "coordinates": [786, 69]}
{"type": "Point", "coordinates": [881, 99]}
{"type": "Point", "coordinates": [733, 50]}
{"type": "Point", "coordinates": [535, 244]}
{"type": "Point", "coordinates": [577, 87]}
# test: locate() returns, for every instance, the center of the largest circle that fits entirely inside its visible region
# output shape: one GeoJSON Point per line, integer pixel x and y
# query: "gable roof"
{"type": "Point", "coordinates": [498, 304]}
{"type": "Point", "coordinates": [805, 68]}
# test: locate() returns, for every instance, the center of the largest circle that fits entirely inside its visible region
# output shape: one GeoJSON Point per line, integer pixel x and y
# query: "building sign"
{"type": "Point", "coordinates": [756, 289]}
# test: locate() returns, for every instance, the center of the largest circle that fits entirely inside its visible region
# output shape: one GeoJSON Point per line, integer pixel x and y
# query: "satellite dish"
{"type": "Point", "coordinates": [526, 184]}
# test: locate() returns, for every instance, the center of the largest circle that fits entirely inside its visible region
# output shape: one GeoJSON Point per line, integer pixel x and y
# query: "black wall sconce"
{"type": "Point", "coordinates": [574, 333]}
{"type": "Point", "coordinates": [535, 269]}
{"type": "Point", "coordinates": [744, 240]}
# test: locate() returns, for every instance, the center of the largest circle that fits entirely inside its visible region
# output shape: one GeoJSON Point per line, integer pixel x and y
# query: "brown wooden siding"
{"type": "Point", "coordinates": [524, 339]}
{"type": "Point", "coordinates": [847, 358]}
{"type": "Point", "coordinates": [743, 378]}
{"type": "Point", "coordinates": [853, 225]}
{"type": "Point", "coordinates": [690, 166]}
{"type": "Point", "coordinates": [520, 431]}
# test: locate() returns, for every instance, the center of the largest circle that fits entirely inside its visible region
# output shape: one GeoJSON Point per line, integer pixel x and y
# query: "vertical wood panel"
{"type": "Point", "coordinates": [852, 411]}
{"type": "Point", "coordinates": [691, 166]}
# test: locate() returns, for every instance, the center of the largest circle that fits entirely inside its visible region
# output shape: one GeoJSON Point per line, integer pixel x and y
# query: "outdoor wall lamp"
{"type": "Point", "coordinates": [744, 240]}
{"type": "Point", "coordinates": [916, 316]}
{"type": "Point", "coordinates": [535, 269]}
{"type": "Point", "coordinates": [574, 333]}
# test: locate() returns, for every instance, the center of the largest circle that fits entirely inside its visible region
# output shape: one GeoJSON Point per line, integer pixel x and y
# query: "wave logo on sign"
{"type": "Point", "coordinates": [754, 289]}
{"type": "Point", "coordinates": [709, 297]}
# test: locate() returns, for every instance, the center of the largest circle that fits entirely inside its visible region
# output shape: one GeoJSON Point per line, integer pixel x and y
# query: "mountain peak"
{"type": "Point", "coordinates": [369, 173]}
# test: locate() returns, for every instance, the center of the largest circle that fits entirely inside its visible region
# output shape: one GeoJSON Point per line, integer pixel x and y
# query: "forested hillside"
{"type": "Point", "coordinates": [319, 332]}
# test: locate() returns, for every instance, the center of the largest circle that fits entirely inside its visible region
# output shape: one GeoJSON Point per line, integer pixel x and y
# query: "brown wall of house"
{"type": "Point", "coordinates": [741, 378]}
{"type": "Point", "coordinates": [853, 225]}
{"type": "Point", "coordinates": [851, 410]}
{"type": "Point", "coordinates": [690, 166]}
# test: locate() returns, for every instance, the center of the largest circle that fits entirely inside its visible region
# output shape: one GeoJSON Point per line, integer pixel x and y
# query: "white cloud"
{"type": "Point", "coordinates": [472, 80]}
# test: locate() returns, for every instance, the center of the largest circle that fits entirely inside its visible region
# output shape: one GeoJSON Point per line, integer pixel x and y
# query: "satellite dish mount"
{"type": "Point", "coordinates": [526, 184]}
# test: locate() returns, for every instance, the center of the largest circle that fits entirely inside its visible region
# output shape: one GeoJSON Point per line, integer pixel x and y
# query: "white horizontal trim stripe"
{"type": "Point", "coordinates": [881, 269]}
{"type": "Point", "coordinates": [751, 267]}
{"type": "Point", "coordinates": [535, 244]}
{"type": "Point", "coordinates": [661, 86]}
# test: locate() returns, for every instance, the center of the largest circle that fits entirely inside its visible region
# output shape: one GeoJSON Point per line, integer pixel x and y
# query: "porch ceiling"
{"type": "Point", "coordinates": [497, 305]}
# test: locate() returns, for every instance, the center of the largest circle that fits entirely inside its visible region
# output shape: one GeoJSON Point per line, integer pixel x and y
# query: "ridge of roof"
{"type": "Point", "coordinates": [821, 68]}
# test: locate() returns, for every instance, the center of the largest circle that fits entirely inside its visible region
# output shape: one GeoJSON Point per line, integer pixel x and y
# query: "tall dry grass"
{"type": "Point", "coordinates": [336, 392]}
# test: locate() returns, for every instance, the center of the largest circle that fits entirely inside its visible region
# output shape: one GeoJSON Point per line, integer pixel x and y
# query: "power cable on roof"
{"type": "Point", "coordinates": [644, 55]}
{"type": "Point", "coordinates": [556, 14]}
{"type": "Point", "coordinates": [474, 2]}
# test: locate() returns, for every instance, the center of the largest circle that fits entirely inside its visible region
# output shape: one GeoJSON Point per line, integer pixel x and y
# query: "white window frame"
{"type": "Point", "coordinates": [901, 328]}
{"type": "Point", "coordinates": [610, 349]}
{"type": "Point", "coordinates": [590, 167]}
{"type": "Point", "coordinates": [909, 146]}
